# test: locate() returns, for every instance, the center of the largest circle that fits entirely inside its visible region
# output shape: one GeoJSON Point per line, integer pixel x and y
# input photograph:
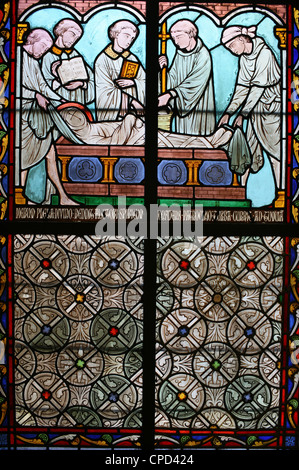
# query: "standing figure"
{"type": "Point", "coordinates": [189, 82]}
{"type": "Point", "coordinates": [65, 69]}
{"type": "Point", "coordinates": [37, 129]}
{"type": "Point", "coordinates": [119, 75]}
{"type": "Point", "coordinates": [257, 95]}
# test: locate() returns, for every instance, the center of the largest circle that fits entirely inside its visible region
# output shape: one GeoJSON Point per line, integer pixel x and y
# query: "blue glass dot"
{"type": "Point", "coordinates": [249, 332]}
{"type": "Point", "coordinates": [247, 397]}
{"type": "Point", "coordinates": [113, 396]}
{"type": "Point", "coordinates": [46, 330]}
{"type": "Point", "coordinates": [183, 330]}
{"type": "Point", "coordinates": [113, 264]}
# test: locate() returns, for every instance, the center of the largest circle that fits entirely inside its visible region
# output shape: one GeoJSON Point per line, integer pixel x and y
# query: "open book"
{"type": "Point", "coordinates": [72, 70]}
{"type": "Point", "coordinates": [129, 69]}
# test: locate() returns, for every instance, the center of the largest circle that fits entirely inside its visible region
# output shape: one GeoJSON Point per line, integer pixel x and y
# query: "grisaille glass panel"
{"type": "Point", "coordinates": [78, 336]}
{"type": "Point", "coordinates": [219, 345]}
{"type": "Point", "coordinates": [113, 341]}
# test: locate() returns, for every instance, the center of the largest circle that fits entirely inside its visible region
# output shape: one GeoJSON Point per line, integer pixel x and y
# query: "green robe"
{"type": "Point", "coordinates": [38, 132]}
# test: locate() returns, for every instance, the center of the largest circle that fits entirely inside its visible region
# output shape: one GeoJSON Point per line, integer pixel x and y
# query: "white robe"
{"type": "Point", "coordinates": [190, 76]}
{"type": "Point", "coordinates": [257, 93]}
{"type": "Point", "coordinates": [80, 95]}
{"type": "Point", "coordinates": [112, 102]}
{"type": "Point", "coordinates": [37, 127]}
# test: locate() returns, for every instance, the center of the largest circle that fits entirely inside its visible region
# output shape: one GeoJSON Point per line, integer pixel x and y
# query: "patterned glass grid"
{"type": "Point", "coordinates": [78, 331]}
{"type": "Point", "coordinates": [71, 317]}
{"type": "Point", "coordinates": [219, 327]}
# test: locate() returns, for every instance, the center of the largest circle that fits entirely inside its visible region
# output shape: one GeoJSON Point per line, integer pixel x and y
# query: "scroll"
{"type": "Point", "coordinates": [72, 70]}
{"type": "Point", "coordinates": [129, 69]}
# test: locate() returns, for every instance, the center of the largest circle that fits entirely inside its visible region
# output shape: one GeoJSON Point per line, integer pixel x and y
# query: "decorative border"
{"type": "Point", "coordinates": [5, 100]}
{"type": "Point", "coordinates": [291, 344]}
{"type": "Point", "coordinates": [51, 439]}
{"type": "Point", "coordinates": [294, 113]}
{"type": "Point", "coordinates": [4, 282]}
{"type": "Point", "coordinates": [43, 438]}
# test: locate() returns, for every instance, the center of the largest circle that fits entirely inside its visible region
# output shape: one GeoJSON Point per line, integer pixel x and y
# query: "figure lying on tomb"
{"type": "Point", "coordinates": [130, 131]}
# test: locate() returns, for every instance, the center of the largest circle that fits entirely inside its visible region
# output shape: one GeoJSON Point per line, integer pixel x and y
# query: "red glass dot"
{"type": "Point", "coordinates": [184, 264]}
{"type": "Point", "coordinates": [46, 264]}
{"type": "Point", "coordinates": [46, 395]}
{"type": "Point", "coordinates": [113, 331]}
{"type": "Point", "coordinates": [251, 265]}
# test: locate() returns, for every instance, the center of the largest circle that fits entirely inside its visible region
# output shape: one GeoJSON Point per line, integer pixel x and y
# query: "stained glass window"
{"type": "Point", "coordinates": [219, 344]}
{"type": "Point", "coordinates": [149, 208]}
{"type": "Point", "coordinates": [78, 332]}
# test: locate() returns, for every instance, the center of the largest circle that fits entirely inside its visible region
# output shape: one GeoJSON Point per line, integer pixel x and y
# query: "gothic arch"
{"type": "Point", "coordinates": [222, 21]}
{"type": "Point", "coordinates": [70, 9]}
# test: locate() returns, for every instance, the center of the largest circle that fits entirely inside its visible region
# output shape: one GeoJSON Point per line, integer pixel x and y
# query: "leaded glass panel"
{"type": "Point", "coordinates": [78, 333]}
{"type": "Point", "coordinates": [122, 123]}
{"type": "Point", "coordinates": [219, 350]}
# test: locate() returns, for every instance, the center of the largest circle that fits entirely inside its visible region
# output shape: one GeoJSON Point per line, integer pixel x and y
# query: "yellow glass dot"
{"type": "Point", "coordinates": [80, 298]}
{"type": "Point", "coordinates": [182, 396]}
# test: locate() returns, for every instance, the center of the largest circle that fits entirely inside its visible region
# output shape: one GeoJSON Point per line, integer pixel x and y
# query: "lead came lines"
{"type": "Point", "coordinates": [68, 343]}
{"type": "Point", "coordinates": [236, 361]}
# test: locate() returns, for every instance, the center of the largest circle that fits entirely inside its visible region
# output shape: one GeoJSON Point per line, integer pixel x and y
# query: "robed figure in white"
{"type": "Point", "coordinates": [116, 94]}
{"type": "Point", "coordinates": [190, 88]}
{"type": "Point", "coordinates": [38, 132]}
{"type": "Point", "coordinates": [257, 95]}
{"type": "Point", "coordinates": [67, 32]}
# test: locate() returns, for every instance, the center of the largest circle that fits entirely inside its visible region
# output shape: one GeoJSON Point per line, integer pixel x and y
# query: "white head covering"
{"type": "Point", "coordinates": [233, 32]}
